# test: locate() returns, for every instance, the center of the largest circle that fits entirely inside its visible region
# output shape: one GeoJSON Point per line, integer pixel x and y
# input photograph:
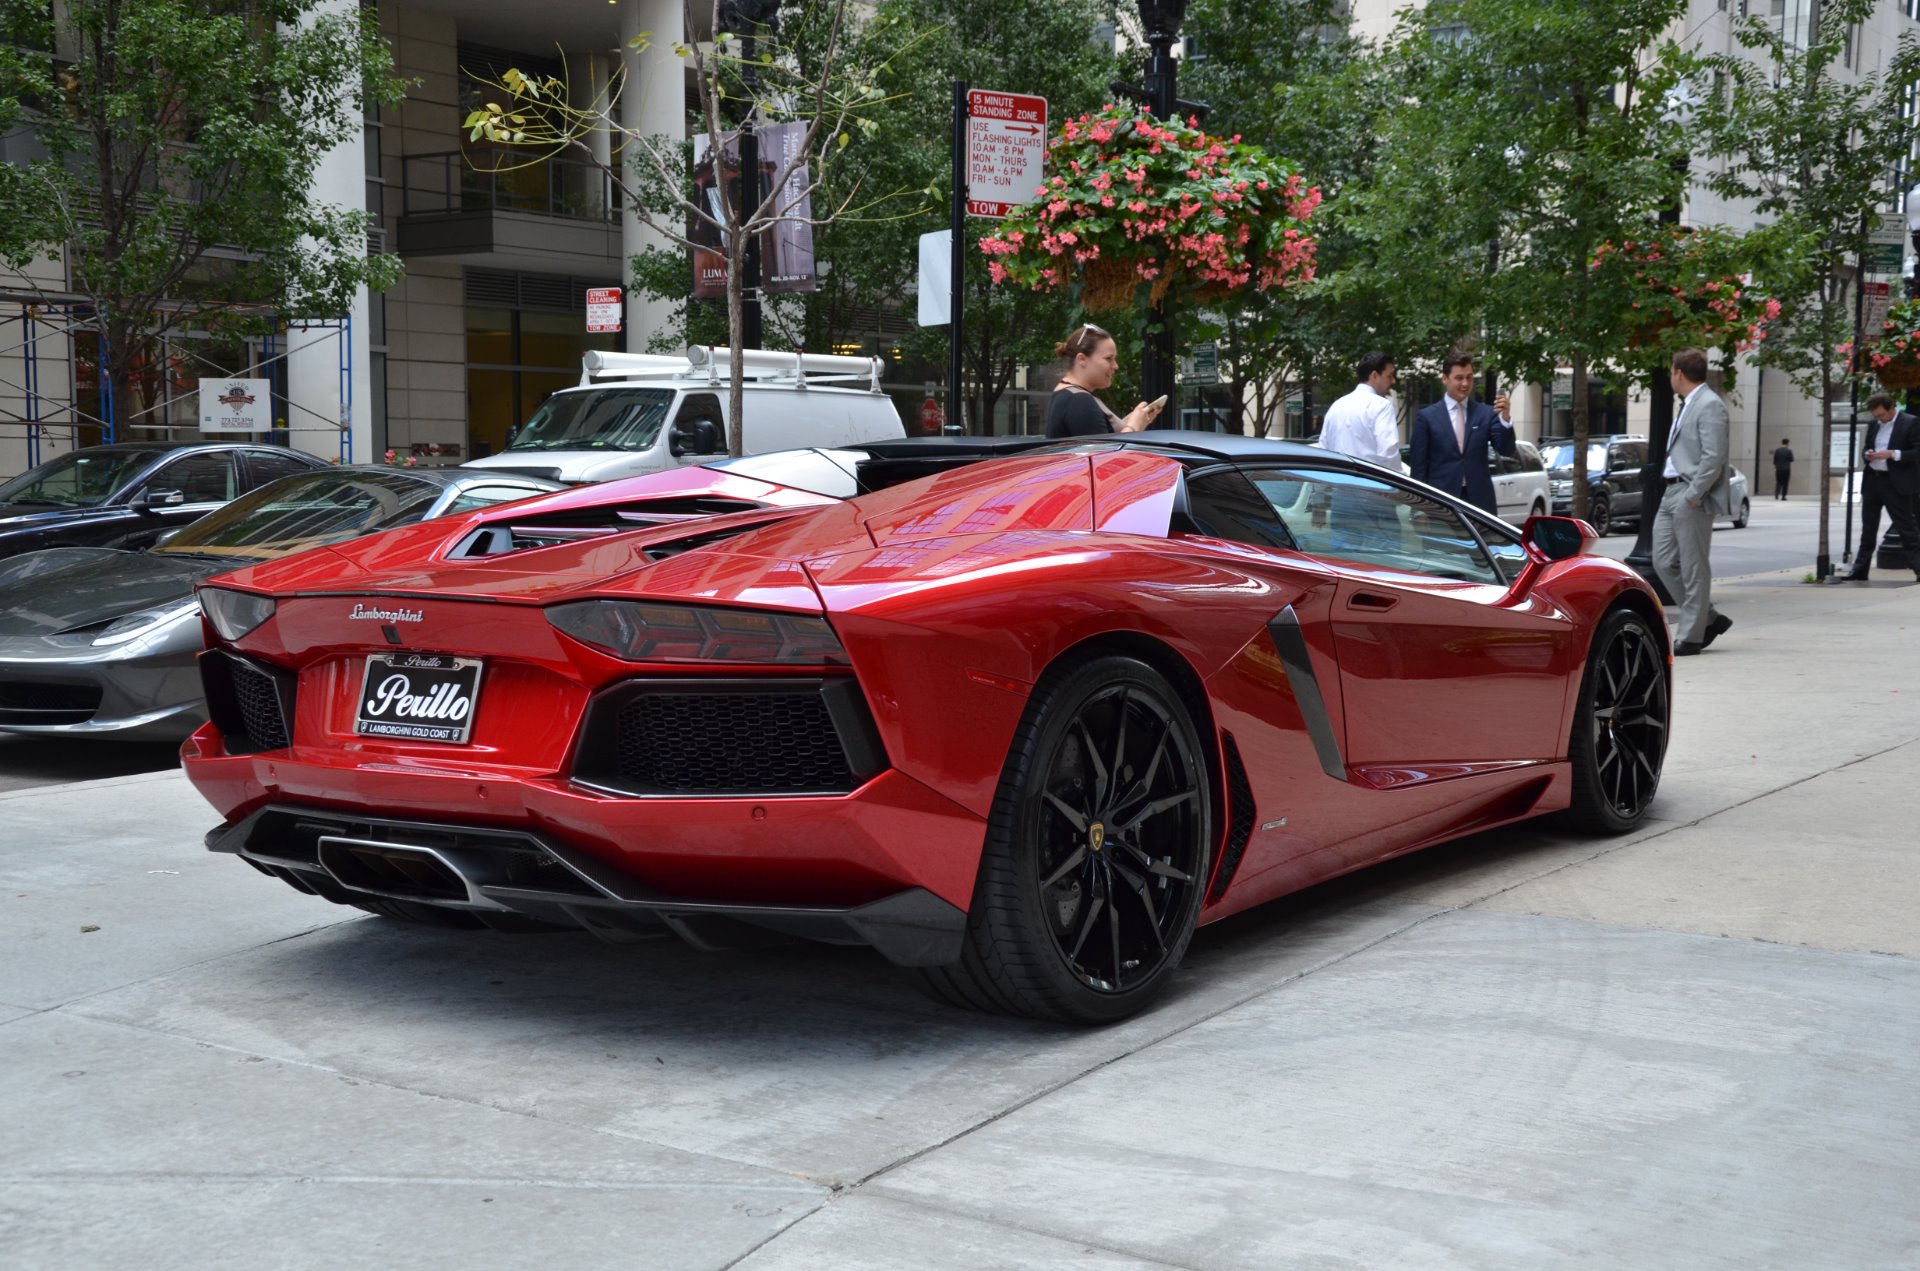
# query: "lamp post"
{"type": "Point", "coordinates": [747, 18]}
{"type": "Point", "coordinates": [1161, 21]}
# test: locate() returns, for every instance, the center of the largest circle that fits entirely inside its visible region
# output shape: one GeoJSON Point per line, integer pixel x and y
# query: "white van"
{"type": "Point", "coordinates": [635, 413]}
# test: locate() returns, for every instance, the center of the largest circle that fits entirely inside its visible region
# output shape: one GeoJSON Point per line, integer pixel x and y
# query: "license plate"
{"type": "Point", "coordinates": [418, 697]}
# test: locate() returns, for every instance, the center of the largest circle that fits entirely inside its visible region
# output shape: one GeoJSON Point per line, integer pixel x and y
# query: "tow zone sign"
{"type": "Point", "coordinates": [1006, 150]}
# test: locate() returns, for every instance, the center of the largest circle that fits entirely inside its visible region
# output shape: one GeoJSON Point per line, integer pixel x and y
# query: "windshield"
{"type": "Point", "coordinates": [597, 419]}
{"type": "Point", "coordinates": [1560, 455]}
{"type": "Point", "coordinates": [82, 479]}
{"type": "Point", "coordinates": [298, 512]}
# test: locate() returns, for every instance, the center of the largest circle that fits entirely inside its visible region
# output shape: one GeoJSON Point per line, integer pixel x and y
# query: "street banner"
{"type": "Point", "coordinates": [236, 405]}
{"type": "Point", "coordinates": [786, 250]}
{"type": "Point", "coordinates": [1006, 150]}
{"type": "Point", "coordinates": [603, 309]}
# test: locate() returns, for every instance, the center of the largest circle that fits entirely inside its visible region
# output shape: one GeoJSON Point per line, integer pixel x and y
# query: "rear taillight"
{"type": "Point", "coordinates": [636, 631]}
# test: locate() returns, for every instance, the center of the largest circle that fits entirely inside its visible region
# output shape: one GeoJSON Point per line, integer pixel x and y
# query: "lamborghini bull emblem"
{"type": "Point", "coordinates": [1096, 835]}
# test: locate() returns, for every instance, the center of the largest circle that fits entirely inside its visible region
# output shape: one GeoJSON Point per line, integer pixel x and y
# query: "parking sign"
{"type": "Point", "coordinates": [1006, 150]}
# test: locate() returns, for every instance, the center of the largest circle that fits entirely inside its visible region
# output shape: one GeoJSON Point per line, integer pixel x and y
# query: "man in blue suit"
{"type": "Point", "coordinates": [1450, 437]}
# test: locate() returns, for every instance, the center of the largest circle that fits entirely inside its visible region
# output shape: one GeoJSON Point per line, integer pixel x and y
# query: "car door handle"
{"type": "Point", "coordinates": [1369, 600]}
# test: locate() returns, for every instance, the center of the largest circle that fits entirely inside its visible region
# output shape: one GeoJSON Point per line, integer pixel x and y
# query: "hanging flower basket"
{"type": "Point", "coordinates": [1134, 204]}
{"type": "Point", "coordinates": [1893, 357]}
{"type": "Point", "coordinates": [1683, 287]}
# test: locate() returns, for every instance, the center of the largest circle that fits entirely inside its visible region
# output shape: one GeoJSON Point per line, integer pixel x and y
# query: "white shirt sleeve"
{"type": "Point", "coordinates": [1386, 436]}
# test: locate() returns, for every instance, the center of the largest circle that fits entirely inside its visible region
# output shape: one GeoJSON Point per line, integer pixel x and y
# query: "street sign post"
{"type": "Point", "coordinates": [1878, 295]}
{"type": "Point", "coordinates": [603, 308]}
{"type": "Point", "coordinates": [1006, 150]}
{"type": "Point", "coordinates": [1887, 251]}
{"type": "Point", "coordinates": [1203, 367]}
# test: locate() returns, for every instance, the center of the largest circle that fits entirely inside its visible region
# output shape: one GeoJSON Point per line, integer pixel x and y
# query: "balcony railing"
{"type": "Point", "coordinates": [452, 182]}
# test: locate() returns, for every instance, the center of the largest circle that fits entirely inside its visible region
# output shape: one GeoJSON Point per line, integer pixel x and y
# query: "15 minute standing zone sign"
{"type": "Point", "coordinates": [1006, 150]}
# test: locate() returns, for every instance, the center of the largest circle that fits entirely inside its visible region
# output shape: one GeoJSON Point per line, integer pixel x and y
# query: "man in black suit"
{"type": "Point", "coordinates": [1450, 437]}
{"type": "Point", "coordinates": [1891, 480]}
{"type": "Point", "coordinates": [1782, 469]}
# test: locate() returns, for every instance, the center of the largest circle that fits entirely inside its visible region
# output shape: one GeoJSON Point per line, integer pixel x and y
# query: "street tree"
{"type": "Point", "coordinates": [1289, 77]}
{"type": "Point", "coordinates": [1815, 148]}
{"type": "Point", "coordinates": [177, 143]}
{"type": "Point", "coordinates": [816, 77]}
{"type": "Point", "coordinates": [1529, 134]}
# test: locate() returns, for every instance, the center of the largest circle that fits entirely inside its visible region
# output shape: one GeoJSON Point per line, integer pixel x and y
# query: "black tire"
{"type": "Point", "coordinates": [1746, 510]}
{"type": "Point", "coordinates": [421, 915]}
{"type": "Point", "coordinates": [1600, 515]}
{"type": "Point", "coordinates": [1069, 921]}
{"type": "Point", "coordinates": [1620, 723]}
{"type": "Point", "coordinates": [1539, 509]}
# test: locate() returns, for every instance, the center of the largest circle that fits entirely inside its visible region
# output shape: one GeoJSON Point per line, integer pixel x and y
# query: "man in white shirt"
{"type": "Point", "coordinates": [1364, 423]}
{"type": "Point", "coordinates": [1891, 481]}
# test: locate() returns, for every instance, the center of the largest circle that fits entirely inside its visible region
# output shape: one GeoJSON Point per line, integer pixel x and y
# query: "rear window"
{"type": "Point", "coordinates": [295, 513]}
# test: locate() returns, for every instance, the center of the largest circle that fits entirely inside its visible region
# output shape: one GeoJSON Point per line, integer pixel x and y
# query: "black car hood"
{"type": "Point", "coordinates": [43, 593]}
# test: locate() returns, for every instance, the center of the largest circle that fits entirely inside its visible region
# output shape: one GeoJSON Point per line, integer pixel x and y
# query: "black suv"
{"type": "Point", "coordinates": [127, 496]}
{"type": "Point", "coordinates": [1614, 461]}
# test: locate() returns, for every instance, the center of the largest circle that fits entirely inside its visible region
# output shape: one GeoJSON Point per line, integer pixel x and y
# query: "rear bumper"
{"type": "Point", "coordinates": [493, 872]}
{"type": "Point", "coordinates": [891, 833]}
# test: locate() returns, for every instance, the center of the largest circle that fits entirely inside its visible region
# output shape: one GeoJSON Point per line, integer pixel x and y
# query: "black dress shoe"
{"type": "Point", "coordinates": [1687, 648]}
{"type": "Point", "coordinates": [1716, 629]}
{"type": "Point", "coordinates": [1855, 577]}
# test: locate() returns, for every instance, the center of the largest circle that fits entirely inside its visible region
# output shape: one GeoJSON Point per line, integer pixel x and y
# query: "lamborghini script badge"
{"type": "Point", "coordinates": [1096, 835]}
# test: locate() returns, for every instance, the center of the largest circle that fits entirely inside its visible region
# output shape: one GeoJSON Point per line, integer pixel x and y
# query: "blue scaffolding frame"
{"type": "Point", "coordinates": [71, 318]}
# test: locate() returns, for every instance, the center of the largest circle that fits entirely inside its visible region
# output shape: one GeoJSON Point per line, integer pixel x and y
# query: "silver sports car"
{"type": "Point", "coordinates": [100, 642]}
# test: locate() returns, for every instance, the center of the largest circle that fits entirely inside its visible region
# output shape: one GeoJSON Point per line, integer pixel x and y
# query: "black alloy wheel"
{"type": "Point", "coordinates": [1746, 510]}
{"type": "Point", "coordinates": [1600, 514]}
{"type": "Point", "coordinates": [1619, 739]}
{"type": "Point", "coordinates": [1096, 853]}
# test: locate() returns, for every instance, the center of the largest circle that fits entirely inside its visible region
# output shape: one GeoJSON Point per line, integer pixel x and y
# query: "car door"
{"type": "Point", "coordinates": [1625, 459]}
{"type": "Point", "coordinates": [204, 479]}
{"type": "Point", "coordinates": [1505, 471]}
{"type": "Point", "coordinates": [266, 466]}
{"type": "Point", "coordinates": [699, 429]}
{"type": "Point", "coordinates": [1444, 669]}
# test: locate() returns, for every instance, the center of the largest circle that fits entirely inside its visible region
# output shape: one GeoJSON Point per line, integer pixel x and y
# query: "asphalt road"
{"type": "Point", "coordinates": [1779, 536]}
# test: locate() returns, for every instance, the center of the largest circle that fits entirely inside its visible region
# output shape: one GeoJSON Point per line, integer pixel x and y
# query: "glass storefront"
{"type": "Point", "coordinates": [516, 358]}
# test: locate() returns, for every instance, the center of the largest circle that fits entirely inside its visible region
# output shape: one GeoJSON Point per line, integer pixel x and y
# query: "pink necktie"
{"type": "Point", "coordinates": [1460, 426]}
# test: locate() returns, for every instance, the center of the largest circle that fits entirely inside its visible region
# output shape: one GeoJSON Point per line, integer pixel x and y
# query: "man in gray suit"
{"type": "Point", "coordinates": [1698, 489]}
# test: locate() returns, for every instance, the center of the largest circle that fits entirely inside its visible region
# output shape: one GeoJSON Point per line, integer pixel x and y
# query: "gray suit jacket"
{"type": "Point", "coordinates": [1699, 451]}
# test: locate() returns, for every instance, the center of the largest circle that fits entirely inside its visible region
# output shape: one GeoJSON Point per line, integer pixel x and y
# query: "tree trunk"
{"type": "Point", "coordinates": [736, 334]}
{"type": "Point", "coordinates": [1580, 432]}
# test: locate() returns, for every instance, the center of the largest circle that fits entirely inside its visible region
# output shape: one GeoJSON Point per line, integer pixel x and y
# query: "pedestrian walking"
{"type": "Point", "coordinates": [1782, 469]}
{"type": "Point", "coordinates": [1891, 480]}
{"type": "Point", "coordinates": [1363, 423]}
{"type": "Point", "coordinates": [1697, 491]}
{"type": "Point", "coordinates": [1450, 437]}
{"type": "Point", "coordinates": [1092, 358]}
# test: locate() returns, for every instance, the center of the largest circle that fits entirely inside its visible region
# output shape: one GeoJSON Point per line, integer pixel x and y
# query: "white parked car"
{"type": "Point", "coordinates": [1520, 483]}
{"type": "Point", "coordinates": [636, 413]}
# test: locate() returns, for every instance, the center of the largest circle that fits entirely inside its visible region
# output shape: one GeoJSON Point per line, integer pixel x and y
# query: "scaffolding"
{"type": "Point", "coordinates": [45, 415]}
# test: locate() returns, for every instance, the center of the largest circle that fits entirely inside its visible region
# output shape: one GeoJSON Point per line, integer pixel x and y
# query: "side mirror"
{"type": "Point", "coordinates": [153, 499]}
{"type": "Point", "coordinates": [677, 442]}
{"type": "Point", "coordinates": [1558, 537]}
{"type": "Point", "coordinates": [706, 437]}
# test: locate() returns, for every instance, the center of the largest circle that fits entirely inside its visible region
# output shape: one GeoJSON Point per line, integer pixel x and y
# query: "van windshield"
{"type": "Point", "coordinates": [599, 419]}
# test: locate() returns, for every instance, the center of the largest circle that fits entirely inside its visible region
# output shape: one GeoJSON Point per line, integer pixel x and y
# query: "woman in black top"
{"type": "Point", "coordinates": [1075, 411]}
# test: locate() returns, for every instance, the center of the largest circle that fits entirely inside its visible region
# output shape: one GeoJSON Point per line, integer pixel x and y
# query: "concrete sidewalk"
{"type": "Point", "coordinates": [1694, 1047]}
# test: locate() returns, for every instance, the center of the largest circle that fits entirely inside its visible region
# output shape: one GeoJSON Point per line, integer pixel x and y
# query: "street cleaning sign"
{"type": "Point", "coordinates": [1006, 150]}
{"type": "Point", "coordinates": [603, 309]}
{"type": "Point", "coordinates": [236, 405]}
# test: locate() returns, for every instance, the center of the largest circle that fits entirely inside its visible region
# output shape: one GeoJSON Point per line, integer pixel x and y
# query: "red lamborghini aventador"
{"type": "Point", "coordinates": [1018, 715]}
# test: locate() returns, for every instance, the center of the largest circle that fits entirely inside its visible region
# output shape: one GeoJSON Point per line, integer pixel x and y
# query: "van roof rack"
{"type": "Point", "coordinates": [713, 365]}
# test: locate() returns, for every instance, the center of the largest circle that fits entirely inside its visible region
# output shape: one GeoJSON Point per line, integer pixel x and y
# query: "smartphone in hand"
{"type": "Point", "coordinates": [1158, 404]}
